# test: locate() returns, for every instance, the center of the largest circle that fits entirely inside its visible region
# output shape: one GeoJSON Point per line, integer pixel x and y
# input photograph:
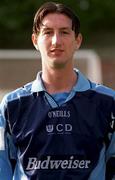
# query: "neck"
{"type": "Point", "coordinates": [56, 81]}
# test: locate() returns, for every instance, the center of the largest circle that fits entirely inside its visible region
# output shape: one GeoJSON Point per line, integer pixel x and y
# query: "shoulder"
{"type": "Point", "coordinates": [104, 90]}
{"type": "Point", "coordinates": [16, 94]}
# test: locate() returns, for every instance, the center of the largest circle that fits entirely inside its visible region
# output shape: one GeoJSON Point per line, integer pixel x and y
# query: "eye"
{"type": "Point", "coordinates": [47, 32]}
{"type": "Point", "coordinates": [65, 32]}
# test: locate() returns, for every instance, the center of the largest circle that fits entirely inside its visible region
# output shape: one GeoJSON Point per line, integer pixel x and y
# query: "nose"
{"type": "Point", "coordinates": [56, 39]}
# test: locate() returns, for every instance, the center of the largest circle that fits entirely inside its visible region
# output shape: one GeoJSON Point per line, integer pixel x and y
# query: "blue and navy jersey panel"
{"type": "Point", "coordinates": [45, 136]}
{"type": "Point", "coordinates": [66, 140]}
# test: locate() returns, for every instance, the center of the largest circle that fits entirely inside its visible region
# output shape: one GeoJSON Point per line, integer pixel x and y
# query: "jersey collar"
{"type": "Point", "coordinates": [81, 85]}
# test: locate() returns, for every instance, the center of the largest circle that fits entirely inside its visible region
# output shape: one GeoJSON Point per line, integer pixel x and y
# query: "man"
{"type": "Point", "coordinates": [60, 126]}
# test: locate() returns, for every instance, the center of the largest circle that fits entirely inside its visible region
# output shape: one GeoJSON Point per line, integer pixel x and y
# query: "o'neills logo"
{"type": "Point", "coordinates": [59, 113]}
{"type": "Point", "coordinates": [49, 163]}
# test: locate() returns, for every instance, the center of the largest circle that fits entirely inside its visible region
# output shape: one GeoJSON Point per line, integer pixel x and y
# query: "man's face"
{"type": "Point", "coordinates": [56, 40]}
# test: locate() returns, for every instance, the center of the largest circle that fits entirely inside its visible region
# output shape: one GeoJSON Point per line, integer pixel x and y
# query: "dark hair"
{"type": "Point", "coordinates": [52, 7]}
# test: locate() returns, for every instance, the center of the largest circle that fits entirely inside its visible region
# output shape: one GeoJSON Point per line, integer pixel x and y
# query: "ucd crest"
{"type": "Point", "coordinates": [49, 128]}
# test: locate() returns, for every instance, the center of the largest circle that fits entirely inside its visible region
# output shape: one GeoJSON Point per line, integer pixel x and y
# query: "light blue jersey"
{"type": "Point", "coordinates": [69, 135]}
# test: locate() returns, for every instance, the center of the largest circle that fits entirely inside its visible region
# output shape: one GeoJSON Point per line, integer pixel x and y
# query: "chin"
{"type": "Point", "coordinates": [57, 65]}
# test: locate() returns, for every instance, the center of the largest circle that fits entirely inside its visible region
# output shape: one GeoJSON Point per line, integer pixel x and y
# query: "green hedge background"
{"type": "Point", "coordinates": [97, 22]}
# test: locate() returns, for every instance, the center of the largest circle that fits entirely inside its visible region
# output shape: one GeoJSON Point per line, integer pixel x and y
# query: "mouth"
{"type": "Point", "coordinates": [56, 51]}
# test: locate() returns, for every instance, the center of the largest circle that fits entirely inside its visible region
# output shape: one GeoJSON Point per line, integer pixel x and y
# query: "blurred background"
{"type": "Point", "coordinates": [16, 21]}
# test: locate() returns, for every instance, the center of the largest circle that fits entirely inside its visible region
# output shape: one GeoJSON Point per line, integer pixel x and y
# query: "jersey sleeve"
{"type": "Point", "coordinates": [6, 146]}
{"type": "Point", "coordinates": [110, 156]}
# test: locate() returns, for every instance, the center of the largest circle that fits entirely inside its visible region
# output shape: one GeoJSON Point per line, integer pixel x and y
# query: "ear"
{"type": "Point", "coordinates": [78, 41]}
{"type": "Point", "coordinates": [34, 40]}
